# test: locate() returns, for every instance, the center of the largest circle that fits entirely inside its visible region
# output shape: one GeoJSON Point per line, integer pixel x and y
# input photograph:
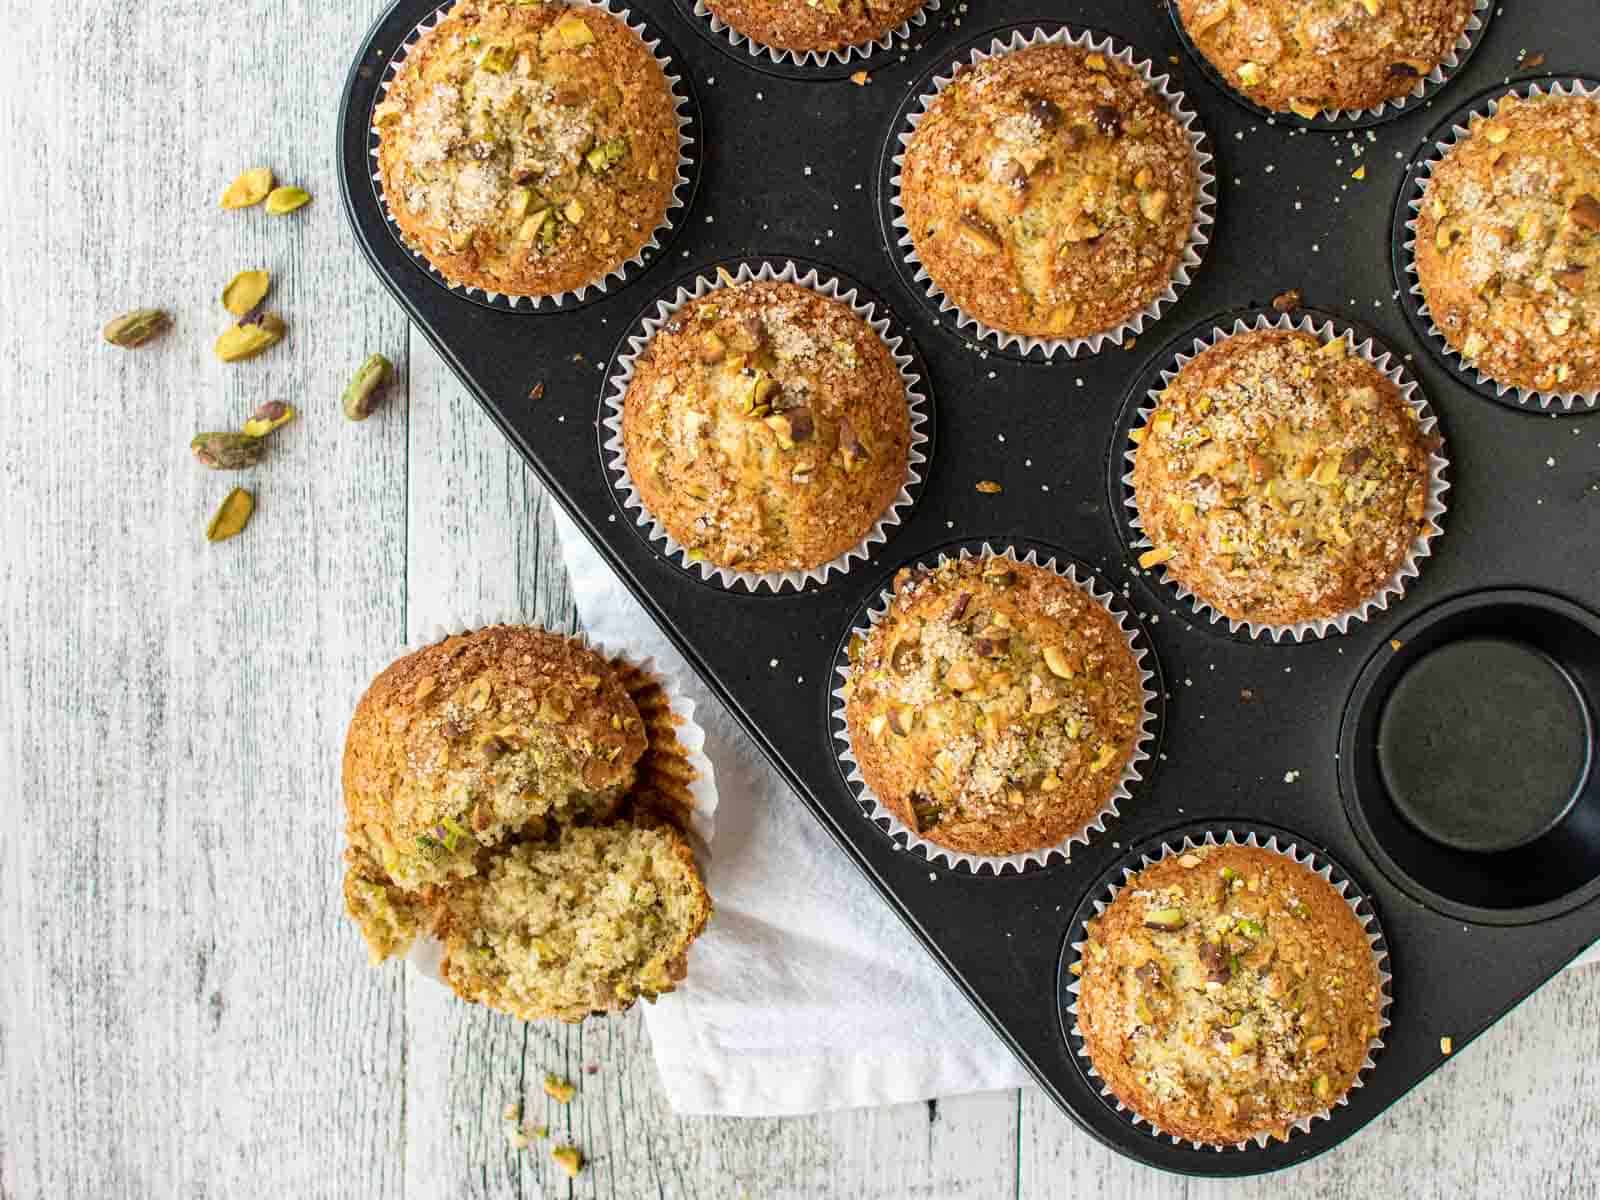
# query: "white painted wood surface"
{"type": "Point", "coordinates": [183, 1010]}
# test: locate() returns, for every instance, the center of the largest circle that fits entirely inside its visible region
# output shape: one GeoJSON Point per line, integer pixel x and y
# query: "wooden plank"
{"type": "Point", "coordinates": [479, 546]}
{"type": "Point", "coordinates": [184, 1010]}
{"type": "Point", "coordinates": [1058, 1160]}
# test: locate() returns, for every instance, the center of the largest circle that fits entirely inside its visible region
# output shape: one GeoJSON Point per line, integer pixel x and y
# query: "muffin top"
{"type": "Point", "coordinates": [766, 427]}
{"type": "Point", "coordinates": [528, 149]}
{"type": "Point", "coordinates": [587, 921]}
{"type": "Point", "coordinates": [1307, 56]}
{"type": "Point", "coordinates": [1281, 479]}
{"type": "Point", "coordinates": [994, 706]}
{"type": "Point", "coordinates": [1049, 192]}
{"type": "Point", "coordinates": [1508, 244]}
{"type": "Point", "coordinates": [816, 24]}
{"type": "Point", "coordinates": [1228, 992]}
{"type": "Point", "coordinates": [478, 738]}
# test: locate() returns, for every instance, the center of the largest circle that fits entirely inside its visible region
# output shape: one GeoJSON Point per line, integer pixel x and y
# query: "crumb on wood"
{"type": "Point", "coordinates": [568, 1158]}
{"type": "Point", "coordinates": [560, 1090]}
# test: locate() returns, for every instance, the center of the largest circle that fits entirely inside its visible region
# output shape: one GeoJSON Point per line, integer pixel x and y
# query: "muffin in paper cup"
{"type": "Point", "coordinates": [840, 56]}
{"type": "Point", "coordinates": [682, 185]}
{"type": "Point", "coordinates": [1416, 190]}
{"type": "Point", "coordinates": [675, 782]}
{"type": "Point", "coordinates": [1333, 120]}
{"type": "Point", "coordinates": [1199, 234]}
{"type": "Point", "coordinates": [1146, 724]}
{"type": "Point", "coordinates": [1386, 363]}
{"type": "Point", "coordinates": [1237, 946]}
{"type": "Point", "coordinates": [614, 449]}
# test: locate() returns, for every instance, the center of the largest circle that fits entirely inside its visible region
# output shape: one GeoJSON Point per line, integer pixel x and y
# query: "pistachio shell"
{"type": "Point", "coordinates": [232, 516]}
{"type": "Point", "coordinates": [286, 199]}
{"type": "Point", "coordinates": [246, 290]}
{"type": "Point", "coordinates": [249, 189]}
{"type": "Point", "coordinates": [250, 338]}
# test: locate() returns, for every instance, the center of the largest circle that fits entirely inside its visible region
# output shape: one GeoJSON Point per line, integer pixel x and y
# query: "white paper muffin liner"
{"type": "Point", "coordinates": [1394, 587]}
{"type": "Point", "coordinates": [814, 58]}
{"type": "Point", "coordinates": [906, 838]}
{"type": "Point", "coordinates": [1391, 107]}
{"type": "Point", "coordinates": [617, 274]}
{"type": "Point", "coordinates": [1199, 228]}
{"type": "Point", "coordinates": [1318, 864]}
{"type": "Point", "coordinates": [1441, 344]}
{"type": "Point", "coordinates": [427, 952]}
{"type": "Point", "coordinates": [616, 451]}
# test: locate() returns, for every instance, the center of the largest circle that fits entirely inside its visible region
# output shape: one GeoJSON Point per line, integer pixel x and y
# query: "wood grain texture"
{"type": "Point", "coordinates": [183, 1008]}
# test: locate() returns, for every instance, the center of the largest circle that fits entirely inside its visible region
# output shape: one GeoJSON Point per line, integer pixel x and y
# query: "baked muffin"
{"type": "Point", "coordinates": [1308, 56]}
{"type": "Point", "coordinates": [586, 922]}
{"type": "Point", "coordinates": [528, 149]}
{"type": "Point", "coordinates": [767, 427]}
{"type": "Point", "coordinates": [1049, 192]}
{"type": "Point", "coordinates": [1508, 244]}
{"type": "Point", "coordinates": [483, 736]}
{"type": "Point", "coordinates": [994, 707]}
{"type": "Point", "coordinates": [508, 798]}
{"type": "Point", "coordinates": [819, 25]}
{"type": "Point", "coordinates": [1281, 479]}
{"type": "Point", "coordinates": [1228, 993]}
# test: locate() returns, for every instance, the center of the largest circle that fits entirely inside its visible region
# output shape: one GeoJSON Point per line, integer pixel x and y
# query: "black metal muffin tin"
{"type": "Point", "coordinates": [1254, 732]}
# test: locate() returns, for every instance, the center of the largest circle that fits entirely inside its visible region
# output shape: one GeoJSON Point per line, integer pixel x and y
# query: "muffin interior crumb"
{"type": "Point", "coordinates": [589, 922]}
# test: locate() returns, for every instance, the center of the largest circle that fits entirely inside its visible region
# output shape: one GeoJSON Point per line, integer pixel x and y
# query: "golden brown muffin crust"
{"type": "Point", "coordinates": [1049, 192]}
{"type": "Point", "coordinates": [1508, 244]}
{"type": "Point", "coordinates": [803, 25]}
{"type": "Point", "coordinates": [1305, 56]}
{"type": "Point", "coordinates": [767, 427]}
{"type": "Point", "coordinates": [528, 149]}
{"type": "Point", "coordinates": [1280, 479]}
{"type": "Point", "coordinates": [480, 737]}
{"type": "Point", "coordinates": [1226, 993]}
{"type": "Point", "coordinates": [994, 707]}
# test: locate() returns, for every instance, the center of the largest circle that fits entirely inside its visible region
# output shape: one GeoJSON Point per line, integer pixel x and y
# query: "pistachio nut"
{"type": "Point", "coordinates": [274, 414]}
{"type": "Point", "coordinates": [249, 189]}
{"type": "Point", "coordinates": [250, 337]}
{"type": "Point", "coordinates": [246, 290]}
{"type": "Point", "coordinates": [227, 451]}
{"type": "Point", "coordinates": [361, 395]}
{"type": "Point", "coordinates": [232, 517]}
{"type": "Point", "coordinates": [286, 199]}
{"type": "Point", "coordinates": [137, 327]}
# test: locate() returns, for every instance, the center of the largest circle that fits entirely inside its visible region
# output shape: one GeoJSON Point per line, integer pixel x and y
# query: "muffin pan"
{"type": "Point", "coordinates": [1288, 735]}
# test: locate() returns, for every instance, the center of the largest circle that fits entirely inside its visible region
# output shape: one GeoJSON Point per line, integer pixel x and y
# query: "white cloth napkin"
{"type": "Point", "coordinates": [805, 993]}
